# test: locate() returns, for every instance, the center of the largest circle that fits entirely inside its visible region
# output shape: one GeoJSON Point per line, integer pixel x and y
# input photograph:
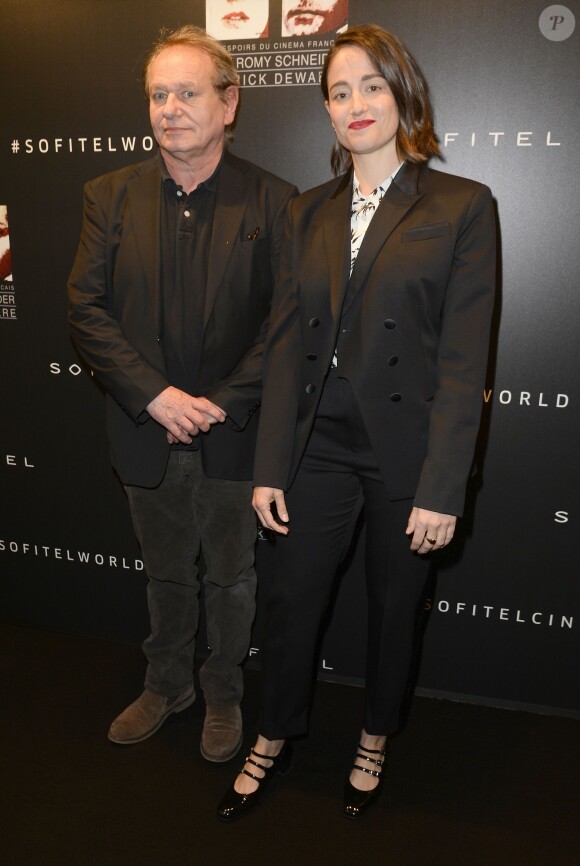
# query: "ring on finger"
{"type": "Point", "coordinates": [430, 540]}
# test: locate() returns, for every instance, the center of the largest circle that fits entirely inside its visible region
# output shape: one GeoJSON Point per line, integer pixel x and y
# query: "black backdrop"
{"type": "Point", "coordinates": [503, 621]}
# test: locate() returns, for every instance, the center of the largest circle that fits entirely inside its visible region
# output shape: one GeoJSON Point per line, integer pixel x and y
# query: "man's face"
{"type": "Point", "coordinates": [188, 117]}
{"type": "Point", "coordinates": [306, 17]}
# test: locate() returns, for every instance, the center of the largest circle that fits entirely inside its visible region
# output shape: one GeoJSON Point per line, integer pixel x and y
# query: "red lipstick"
{"type": "Point", "coordinates": [360, 124]}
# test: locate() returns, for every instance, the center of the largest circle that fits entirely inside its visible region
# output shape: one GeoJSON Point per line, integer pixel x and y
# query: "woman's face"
{"type": "Point", "coordinates": [236, 19]}
{"type": "Point", "coordinates": [361, 107]}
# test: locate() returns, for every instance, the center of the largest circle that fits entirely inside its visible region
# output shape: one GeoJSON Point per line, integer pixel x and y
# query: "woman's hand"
{"type": "Point", "coordinates": [262, 502]}
{"type": "Point", "coordinates": [430, 529]}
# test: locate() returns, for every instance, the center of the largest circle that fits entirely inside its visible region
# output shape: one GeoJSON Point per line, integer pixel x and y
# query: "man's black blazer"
{"type": "Point", "coordinates": [416, 356]}
{"type": "Point", "coordinates": [115, 305]}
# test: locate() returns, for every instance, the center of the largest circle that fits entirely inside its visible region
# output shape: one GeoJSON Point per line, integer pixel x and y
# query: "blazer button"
{"type": "Point", "coordinates": [310, 389]}
{"type": "Point", "coordinates": [312, 356]}
{"type": "Point", "coordinates": [314, 323]}
{"type": "Point", "coordinates": [395, 398]}
{"type": "Point", "coordinates": [390, 324]}
{"type": "Point", "coordinates": [393, 360]}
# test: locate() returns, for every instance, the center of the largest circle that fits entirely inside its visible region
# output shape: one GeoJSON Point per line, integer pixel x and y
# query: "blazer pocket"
{"type": "Point", "coordinates": [252, 247]}
{"type": "Point", "coordinates": [431, 230]}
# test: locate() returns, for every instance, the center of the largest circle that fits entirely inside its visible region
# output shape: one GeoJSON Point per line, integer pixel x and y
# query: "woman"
{"type": "Point", "coordinates": [373, 380]}
{"type": "Point", "coordinates": [237, 19]}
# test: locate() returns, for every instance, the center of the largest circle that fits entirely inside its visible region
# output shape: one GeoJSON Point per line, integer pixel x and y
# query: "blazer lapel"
{"type": "Point", "coordinates": [144, 193]}
{"type": "Point", "coordinates": [230, 206]}
{"type": "Point", "coordinates": [400, 197]}
{"type": "Point", "coordinates": [336, 228]}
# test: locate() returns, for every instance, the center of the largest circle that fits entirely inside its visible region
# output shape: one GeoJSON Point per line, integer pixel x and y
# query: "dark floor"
{"type": "Point", "coordinates": [466, 784]}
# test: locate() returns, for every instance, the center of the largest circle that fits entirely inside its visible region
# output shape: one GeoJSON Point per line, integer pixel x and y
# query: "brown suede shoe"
{"type": "Point", "coordinates": [222, 733]}
{"type": "Point", "coordinates": [146, 715]}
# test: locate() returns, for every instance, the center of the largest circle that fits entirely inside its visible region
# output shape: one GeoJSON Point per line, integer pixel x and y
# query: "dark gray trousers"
{"type": "Point", "coordinates": [187, 512]}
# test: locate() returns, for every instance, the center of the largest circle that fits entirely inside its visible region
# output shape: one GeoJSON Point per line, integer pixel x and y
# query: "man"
{"type": "Point", "coordinates": [312, 17]}
{"type": "Point", "coordinates": [168, 303]}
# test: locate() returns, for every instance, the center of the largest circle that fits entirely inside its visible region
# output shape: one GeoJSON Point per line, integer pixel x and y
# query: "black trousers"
{"type": "Point", "coordinates": [337, 478]}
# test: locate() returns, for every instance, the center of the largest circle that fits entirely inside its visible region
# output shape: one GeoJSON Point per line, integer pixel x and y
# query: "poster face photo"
{"type": "Point", "coordinates": [237, 19]}
{"type": "Point", "coordinates": [312, 17]}
{"type": "Point", "coordinates": [5, 259]}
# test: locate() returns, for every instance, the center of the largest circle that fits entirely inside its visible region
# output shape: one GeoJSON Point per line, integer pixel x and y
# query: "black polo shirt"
{"type": "Point", "coordinates": [186, 226]}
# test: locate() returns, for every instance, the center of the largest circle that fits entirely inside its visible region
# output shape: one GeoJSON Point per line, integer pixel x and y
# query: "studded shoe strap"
{"type": "Point", "coordinates": [378, 762]}
{"type": "Point", "coordinates": [266, 757]}
{"type": "Point", "coordinates": [257, 764]}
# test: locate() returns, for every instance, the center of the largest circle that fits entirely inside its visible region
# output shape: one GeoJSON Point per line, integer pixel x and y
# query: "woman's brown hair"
{"type": "Point", "coordinates": [416, 139]}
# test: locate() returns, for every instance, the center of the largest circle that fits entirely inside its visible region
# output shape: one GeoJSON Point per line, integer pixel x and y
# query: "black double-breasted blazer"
{"type": "Point", "coordinates": [115, 310]}
{"type": "Point", "coordinates": [416, 353]}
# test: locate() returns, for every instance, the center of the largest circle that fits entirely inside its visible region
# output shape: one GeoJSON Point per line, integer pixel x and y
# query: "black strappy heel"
{"type": "Point", "coordinates": [234, 804]}
{"type": "Point", "coordinates": [356, 802]}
